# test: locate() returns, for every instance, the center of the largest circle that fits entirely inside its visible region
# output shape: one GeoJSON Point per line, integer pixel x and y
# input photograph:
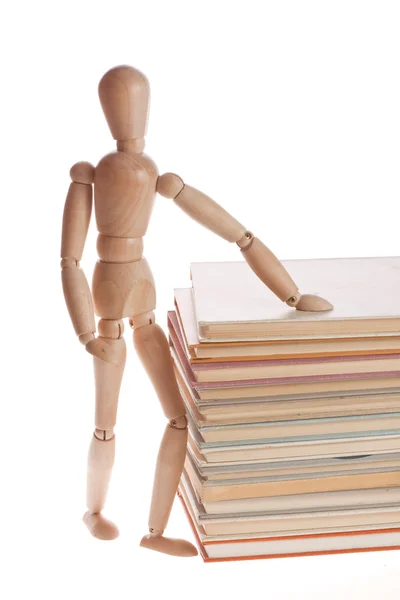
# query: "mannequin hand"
{"type": "Point", "coordinates": [100, 349]}
{"type": "Point", "coordinates": [309, 302]}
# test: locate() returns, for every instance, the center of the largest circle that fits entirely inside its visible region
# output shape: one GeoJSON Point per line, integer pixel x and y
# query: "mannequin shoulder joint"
{"type": "Point", "coordinates": [82, 172]}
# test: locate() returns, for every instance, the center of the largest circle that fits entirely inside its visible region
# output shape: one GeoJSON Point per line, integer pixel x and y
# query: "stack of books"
{"type": "Point", "coordinates": [294, 417]}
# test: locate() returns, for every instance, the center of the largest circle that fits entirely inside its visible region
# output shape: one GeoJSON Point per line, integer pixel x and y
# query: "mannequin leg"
{"type": "Point", "coordinates": [108, 377]}
{"type": "Point", "coordinates": [152, 347]}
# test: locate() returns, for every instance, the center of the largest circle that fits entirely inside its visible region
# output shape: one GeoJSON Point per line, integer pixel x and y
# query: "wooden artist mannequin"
{"type": "Point", "coordinates": [125, 183]}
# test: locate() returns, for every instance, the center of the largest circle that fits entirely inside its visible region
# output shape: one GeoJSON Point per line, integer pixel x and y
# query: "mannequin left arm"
{"type": "Point", "coordinates": [261, 260]}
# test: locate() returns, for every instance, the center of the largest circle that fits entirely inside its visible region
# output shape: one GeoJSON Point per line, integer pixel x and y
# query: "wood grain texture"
{"type": "Point", "coordinates": [153, 350]}
{"type": "Point", "coordinates": [116, 249]}
{"type": "Point", "coordinates": [124, 96]}
{"type": "Point", "coordinates": [76, 219]}
{"type": "Point", "coordinates": [171, 546]}
{"type": "Point", "coordinates": [135, 146]}
{"type": "Point", "coordinates": [100, 464]}
{"type": "Point", "coordinates": [310, 302]}
{"type": "Point", "coordinates": [110, 329]}
{"type": "Point", "coordinates": [124, 192]}
{"type": "Point", "coordinates": [169, 185]}
{"type": "Point", "coordinates": [170, 461]}
{"type": "Point", "coordinates": [108, 378]}
{"type": "Point", "coordinates": [125, 184]}
{"type": "Point", "coordinates": [210, 214]}
{"type": "Point", "coordinates": [207, 212]}
{"type": "Point", "coordinates": [99, 348]}
{"type": "Point", "coordinates": [123, 290]}
{"type": "Point", "coordinates": [100, 527]}
{"type": "Point", "coordinates": [78, 299]}
{"type": "Point", "coordinates": [82, 172]}
{"type": "Point", "coordinates": [270, 270]}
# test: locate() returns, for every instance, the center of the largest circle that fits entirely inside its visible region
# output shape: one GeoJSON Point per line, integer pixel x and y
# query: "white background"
{"type": "Point", "coordinates": [288, 114]}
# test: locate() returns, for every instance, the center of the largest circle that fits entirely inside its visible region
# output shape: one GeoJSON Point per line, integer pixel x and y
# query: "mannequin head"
{"type": "Point", "coordinates": [124, 96]}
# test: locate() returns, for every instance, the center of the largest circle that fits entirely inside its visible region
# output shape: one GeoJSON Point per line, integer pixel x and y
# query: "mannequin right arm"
{"type": "Point", "coordinates": [76, 219]}
{"type": "Point", "coordinates": [259, 257]}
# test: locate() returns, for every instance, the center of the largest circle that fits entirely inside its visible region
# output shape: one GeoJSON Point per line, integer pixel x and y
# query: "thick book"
{"type": "Point", "coordinates": [295, 367]}
{"type": "Point", "coordinates": [214, 526]}
{"type": "Point", "coordinates": [280, 546]}
{"type": "Point", "coordinates": [288, 368]}
{"type": "Point", "coordinates": [299, 428]}
{"type": "Point", "coordinates": [263, 486]}
{"type": "Point", "coordinates": [283, 385]}
{"type": "Point", "coordinates": [282, 368]}
{"type": "Point", "coordinates": [232, 304]}
{"type": "Point", "coordinates": [248, 410]}
{"type": "Point", "coordinates": [327, 385]}
{"type": "Point", "coordinates": [206, 452]}
{"type": "Point", "coordinates": [317, 502]}
{"type": "Point", "coordinates": [280, 408]}
{"type": "Point", "coordinates": [343, 464]}
{"type": "Point", "coordinates": [203, 353]}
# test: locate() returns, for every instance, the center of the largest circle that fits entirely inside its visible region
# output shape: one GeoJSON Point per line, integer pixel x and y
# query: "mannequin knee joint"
{"type": "Point", "coordinates": [179, 422]}
{"type": "Point", "coordinates": [147, 318]}
{"type": "Point", "coordinates": [104, 435]}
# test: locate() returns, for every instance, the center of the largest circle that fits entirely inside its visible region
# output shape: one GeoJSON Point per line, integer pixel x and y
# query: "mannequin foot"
{"type": "Point", "coordinates": [99, 527]}
{"type": "Point", "coordinates": [309, 302]}
{"type": "Point", "coordinates": [172, 546]}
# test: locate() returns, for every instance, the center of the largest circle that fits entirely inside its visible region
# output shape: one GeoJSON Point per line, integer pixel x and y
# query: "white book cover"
{"type": "Point", "coordinates": [232, 303]}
